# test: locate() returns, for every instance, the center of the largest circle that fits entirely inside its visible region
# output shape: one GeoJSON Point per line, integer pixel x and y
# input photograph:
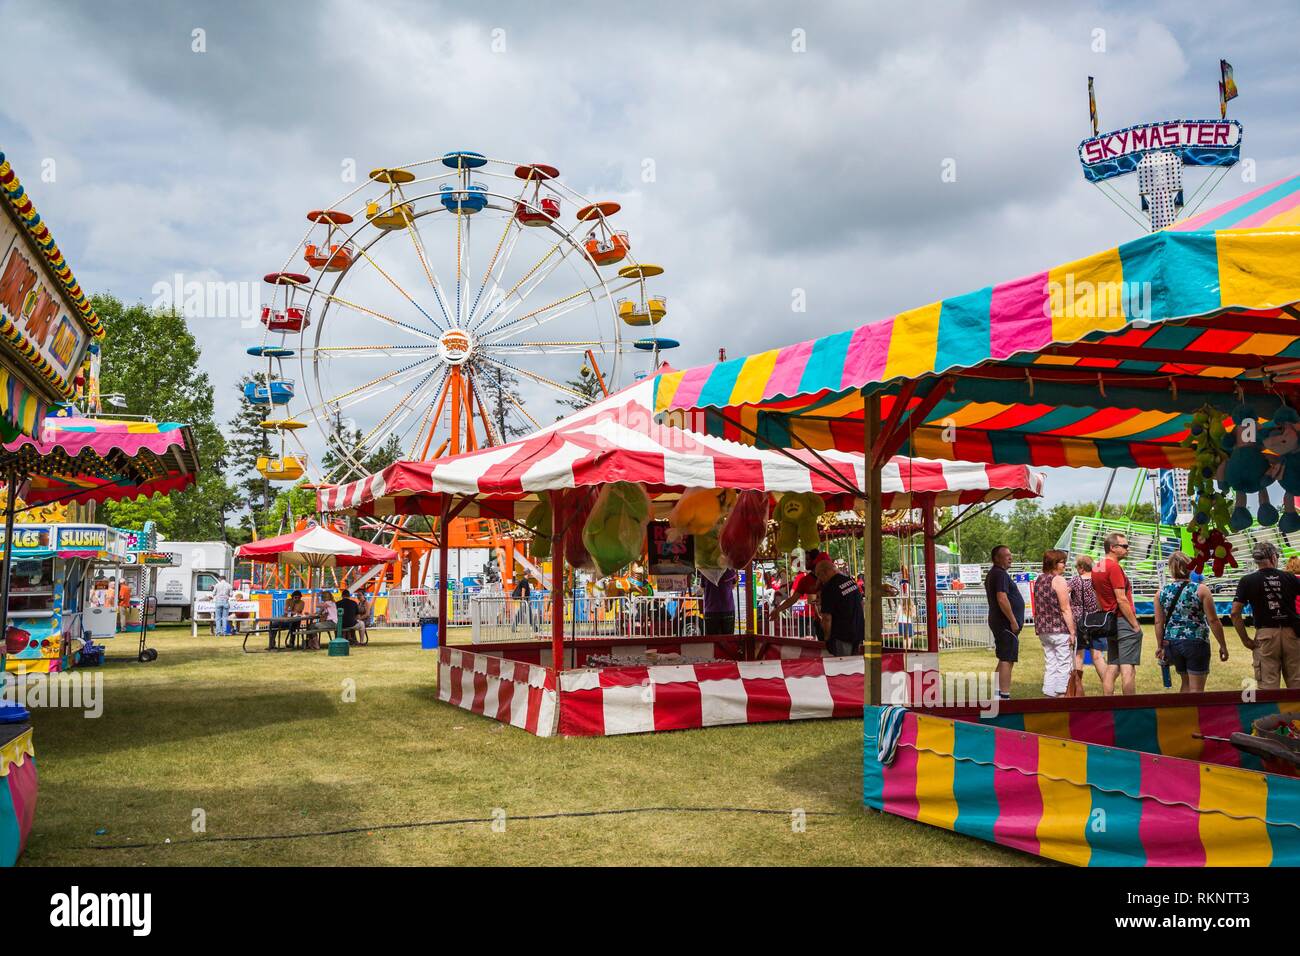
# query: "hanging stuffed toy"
{"type": "Point", "coordinates": [743, 531]}
{"type": "Point", "coordinates": [1205, 438]}
{"type": "Point", "coordinates": [796, 517]}
{"type": "Point", "coordinates": [614, 534]}
{"type": "Point", "coordinates": [1214, 548]}
{"type": "Point", "coordinates": [539, 523]}
{"type": "Point", "coordinates": [575, 507]}
{"type": "Point", "coordinates": [708, 556]}
{"type": "Point", "coordinates": [1247, 470]}
{"type": "Point", "coordinates": [698, 511]}
{"type": "Point", "coordinates": [1282, 438]}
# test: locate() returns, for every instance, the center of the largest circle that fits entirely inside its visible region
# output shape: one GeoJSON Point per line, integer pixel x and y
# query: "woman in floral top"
{"type": "Point", "coordinates": [1185, 615]}
{"type": "Point", "coordinates": [1083, 600]}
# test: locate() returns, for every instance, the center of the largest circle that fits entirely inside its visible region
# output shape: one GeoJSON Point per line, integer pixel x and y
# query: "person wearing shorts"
{"type": "Point", "coordinates": [1271, 594]}
{"type": "Point", "coordinates": [1006, 616]}
{"type": "Point", "coordinates": [1115, 595]}
{"type": "Point", "coordinates": [1083, 601]}
{"type": "Point", "coordinates": [1185, 615]}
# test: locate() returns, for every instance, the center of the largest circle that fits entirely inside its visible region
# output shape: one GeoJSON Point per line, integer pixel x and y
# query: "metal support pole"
{"type": "Point", "coordinates": [931, 576]}
{"type": "Point", "coordinates": [872, 569]}
{"type": "Point", "coordinates": [11, 498]}
{"type": "Point", "coordinates": [751, 611]}
{"type": "Point", "coordinates": [557, 588]}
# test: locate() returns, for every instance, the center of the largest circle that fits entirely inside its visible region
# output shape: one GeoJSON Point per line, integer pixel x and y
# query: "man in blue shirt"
{"type": "Point", "coordinates": [1006, 616]}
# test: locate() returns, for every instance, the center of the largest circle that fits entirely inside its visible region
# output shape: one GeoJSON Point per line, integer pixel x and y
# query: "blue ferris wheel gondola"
{"type": "Point", "coordinates": [467, 200]}
{"type": "Point", "coordinates": [652, 343]}
{"type": "Point", "coordinates": [270, 351]}
{"type": "Point", "coordinates": [277, 392]}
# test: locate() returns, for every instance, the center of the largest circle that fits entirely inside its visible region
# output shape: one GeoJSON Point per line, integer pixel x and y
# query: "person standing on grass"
{"type": "Point", "coordinates": [1083, 601]}
{"type": "Point", "coordinates": [221, 605]}
{"type": "Point", "coordinates": [1006, 616]}
{"type": "Point", "coordinates": [123, 603]}
{"type": "Point", "coordinates": [1185, 615]}
{"type": "Point", "coordinates": [522, 594]}
{"type": "Point", "coordinates": [1271, 594]}
{"type": "Point", "coordinates": [1054, 623]}
{"type": "Point", "coordinates": [1115, 596]}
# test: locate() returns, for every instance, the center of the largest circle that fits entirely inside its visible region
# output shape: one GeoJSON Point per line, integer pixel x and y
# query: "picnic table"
{"type": "Point", "coordinates": [273, 626]}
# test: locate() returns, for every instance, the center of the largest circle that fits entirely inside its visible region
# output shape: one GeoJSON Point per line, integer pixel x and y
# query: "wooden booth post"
{"type": "Point", "coordinates": [931, 576]}
{"type": "Point", "coordinates": [751, 611]}
{"type": "Point", "coordinates": [872, 569]}
{"type": "Point", "coordinates": [443, 551]}
{"type": "Point", "coordinates": [557, 586]}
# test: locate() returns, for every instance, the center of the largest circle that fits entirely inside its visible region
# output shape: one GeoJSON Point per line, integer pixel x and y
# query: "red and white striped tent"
{"type": "Point", "coordinates": [316, 547]}
{"type": "Point", "coordinates": [618, 439]}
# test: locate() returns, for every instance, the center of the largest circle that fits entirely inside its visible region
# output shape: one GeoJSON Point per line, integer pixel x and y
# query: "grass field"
{"type": "Point", "coordinates": [266, 746]}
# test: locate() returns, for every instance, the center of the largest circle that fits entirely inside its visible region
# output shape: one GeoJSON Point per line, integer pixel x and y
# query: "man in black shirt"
{"type": "Point", "coordinates": [842, 619]}
{"type": "Point", "coordinates": [1006, 616]}
{"type": "Point", "coordinates": [1271, 594]}
{"type": "Point", "coordinates": [348, 615]}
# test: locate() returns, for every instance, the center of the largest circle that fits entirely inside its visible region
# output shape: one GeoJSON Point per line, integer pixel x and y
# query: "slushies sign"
{"type": "Point", "coordinates": [1195, 142]}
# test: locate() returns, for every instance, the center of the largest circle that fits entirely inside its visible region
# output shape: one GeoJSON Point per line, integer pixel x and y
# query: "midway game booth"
{"type": "Point", "coordinates": [47, 329]}
{"type": "Point", "coordinates": [588, 488]}
{"type": "Point", "coordinates": [1178, 349]}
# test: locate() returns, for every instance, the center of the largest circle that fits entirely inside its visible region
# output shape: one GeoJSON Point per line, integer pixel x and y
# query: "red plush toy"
{"type": "Point", "coordinates": [744, 530]}
{"type": "Point", "coordinates": [575, 508]}
{"type": "Point", "coordinates": [1214, 548]}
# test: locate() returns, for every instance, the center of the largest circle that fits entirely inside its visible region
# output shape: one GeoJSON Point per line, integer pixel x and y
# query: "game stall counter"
{"type": "Point", "coordinates": [18, 786]}
{"type": "Point", "coordinates": [1017, 373]}
{"type": "Point", "coordinates": [584, 686]}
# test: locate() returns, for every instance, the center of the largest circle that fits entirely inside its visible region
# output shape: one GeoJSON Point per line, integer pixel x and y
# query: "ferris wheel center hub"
{"type": "Point", "coordinates": [455, 346]}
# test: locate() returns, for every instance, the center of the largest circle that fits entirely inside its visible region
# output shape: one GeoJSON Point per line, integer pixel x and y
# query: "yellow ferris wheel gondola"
{"type": "Point", "coordinates": [392, 212]}
{"type": "Point", "coordinates": [283, 468]}
{"type": "Point", "coordinates": [644, 309]}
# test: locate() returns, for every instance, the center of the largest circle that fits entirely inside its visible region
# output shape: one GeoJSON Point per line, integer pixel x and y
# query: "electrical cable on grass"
{"type": "Point", "coordinates": [572, 814]}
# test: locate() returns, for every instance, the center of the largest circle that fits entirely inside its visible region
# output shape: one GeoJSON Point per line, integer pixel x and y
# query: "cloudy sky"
{"type": "Point", "coordinates": [793, 146]}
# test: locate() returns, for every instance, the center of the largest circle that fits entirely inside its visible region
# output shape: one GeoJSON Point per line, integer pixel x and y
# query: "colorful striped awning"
{"type": "Point", "coordinates": [100, 459]}
{"type": "Point", "coordinates": [1095, 362]}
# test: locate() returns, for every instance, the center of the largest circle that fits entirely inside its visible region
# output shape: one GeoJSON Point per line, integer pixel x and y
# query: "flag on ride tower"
{"type": "Point", "coordinates": [1227, 87]}
{"type": "Point", "coordinates": [1092, 107]}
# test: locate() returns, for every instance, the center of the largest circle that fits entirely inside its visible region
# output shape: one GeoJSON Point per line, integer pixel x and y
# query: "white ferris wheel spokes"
{"type": "Point", "coordinates": [454, 282]}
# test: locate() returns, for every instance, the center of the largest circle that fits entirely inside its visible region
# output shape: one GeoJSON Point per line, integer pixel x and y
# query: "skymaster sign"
{"type": "Point", "coordinates": [43, 318]}
{"type": "Point", "coordinates": [1195, 142]}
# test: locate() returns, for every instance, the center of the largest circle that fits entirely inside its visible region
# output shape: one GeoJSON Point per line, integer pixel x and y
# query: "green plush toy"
{"type": "Point", "coordinates": [708, 555]}
{"type": "Point", "coordinates": [539, 523]}
{"type": "Point", "coordinates": [614, 534]}
{"type": "Point", "coordinates": [796, 517]}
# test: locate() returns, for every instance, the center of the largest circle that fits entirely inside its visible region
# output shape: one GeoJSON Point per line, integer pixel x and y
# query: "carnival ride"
{"type": "Point", "coordinates": [434, 293]}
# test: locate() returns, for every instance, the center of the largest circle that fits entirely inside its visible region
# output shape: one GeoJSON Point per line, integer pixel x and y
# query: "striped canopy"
{"type": "Point", "coordinates": [618, 439]}
{"type": "Point", "coordinates": [316, 547]}
{"type": "Point", "coordinates": [101, 459]}
{"type": "Point", "coordinates": [1096, 362]}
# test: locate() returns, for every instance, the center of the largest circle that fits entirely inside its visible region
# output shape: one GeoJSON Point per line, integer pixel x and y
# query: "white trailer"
{"type": "Point", "coordinates": [199, 563]}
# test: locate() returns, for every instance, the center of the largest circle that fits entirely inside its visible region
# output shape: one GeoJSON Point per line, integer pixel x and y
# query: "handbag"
{"type": "Point", "coordinates": [1100, 624]}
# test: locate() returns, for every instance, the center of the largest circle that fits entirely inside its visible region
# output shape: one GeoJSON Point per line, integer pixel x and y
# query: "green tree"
{"type": "Point", "coordinates": [500, 390]}
{"type": "Point", "coordinates": [248, 442]}
{"type": "Point", "coordinates": [289, 505]}
{"type": "Point", "coordinates": [151, 360]}
{"type": "Point", "coordinates": [587, 387]}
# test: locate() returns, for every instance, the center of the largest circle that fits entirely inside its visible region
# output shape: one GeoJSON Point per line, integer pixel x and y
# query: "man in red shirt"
{"type": "Point", "coordinates": [1115, 595]}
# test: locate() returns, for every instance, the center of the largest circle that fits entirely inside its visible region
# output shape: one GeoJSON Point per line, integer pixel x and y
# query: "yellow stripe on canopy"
{"type": "Point", "coordinates": [1256, 271]}
{"type": "Point", "coordinates": [1087, 296]}
{"type": "Point", "coordinates": [914, 342]}
{"type": "Point", "coordinates": [753, 377]}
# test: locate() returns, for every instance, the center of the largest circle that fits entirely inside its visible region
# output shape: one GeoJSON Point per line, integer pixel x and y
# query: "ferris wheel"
{"type": "Point", "coordinates": [441, 305]}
